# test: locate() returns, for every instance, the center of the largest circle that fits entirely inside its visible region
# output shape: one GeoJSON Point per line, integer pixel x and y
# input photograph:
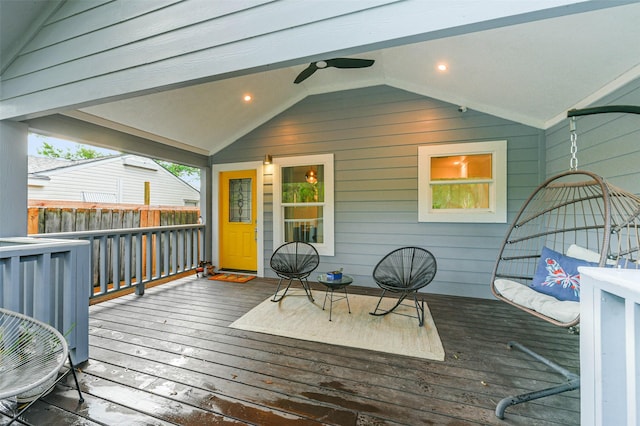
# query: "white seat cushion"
{"type": "Point", "coordinates": [563, 311]}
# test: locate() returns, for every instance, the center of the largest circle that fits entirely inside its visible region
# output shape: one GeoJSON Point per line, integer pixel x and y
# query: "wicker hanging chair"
{"type": "Point", "coordinates": [575, 213]}
{"type": "Point", "coordinates": [578, 215]}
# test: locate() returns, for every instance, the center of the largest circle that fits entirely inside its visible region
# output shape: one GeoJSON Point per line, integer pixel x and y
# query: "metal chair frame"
{"type": "Point", "coordinates": [294, 261]}
{"type": "Point", "coordinates": [405, 270]}
{"type": "Point", "coordinates": [31, 354]}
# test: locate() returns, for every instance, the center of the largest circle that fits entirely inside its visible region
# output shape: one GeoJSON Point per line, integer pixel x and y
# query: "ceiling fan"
{"type": "Point", "coordinates": [335, 63]}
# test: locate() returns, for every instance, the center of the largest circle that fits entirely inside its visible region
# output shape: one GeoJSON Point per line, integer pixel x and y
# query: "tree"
{"type": "Point", "coordinates": [180, 170]}
{"type": "Point", "coordinates": [82, 152]}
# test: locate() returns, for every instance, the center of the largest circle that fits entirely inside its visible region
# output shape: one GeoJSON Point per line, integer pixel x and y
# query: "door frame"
{"type": "Point", "coordinates": [215, 209]}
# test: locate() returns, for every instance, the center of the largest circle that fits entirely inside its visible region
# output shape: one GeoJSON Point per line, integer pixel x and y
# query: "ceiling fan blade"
{"type": "Point", "coordinates": [306, 73]}
{"type": "Point", "coordinates": [349, 63]}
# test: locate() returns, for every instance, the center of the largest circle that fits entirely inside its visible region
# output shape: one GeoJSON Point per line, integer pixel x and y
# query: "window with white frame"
{"type": "Point", "coordinates": [303, 201]}
{"type": "Point", "coordinates": [464, 182]}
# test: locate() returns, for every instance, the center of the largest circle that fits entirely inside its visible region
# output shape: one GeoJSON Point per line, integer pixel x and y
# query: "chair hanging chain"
{"type": "Point", "coordinates": [573, 163]}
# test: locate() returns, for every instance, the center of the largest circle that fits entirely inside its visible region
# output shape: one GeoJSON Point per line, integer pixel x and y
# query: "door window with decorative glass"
{"type": "Point", "coordinates": [240, 200]}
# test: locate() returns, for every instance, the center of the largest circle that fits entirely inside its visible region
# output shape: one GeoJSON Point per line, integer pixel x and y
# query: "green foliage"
{"type": "Point", "coordinates": [302, 192]}
{"type": "Point", "coordinates": [82, 152]}
{"type": "Point", "coordinates": [460, 196]}
{"type": "Point", "coordinates": [180, 170]}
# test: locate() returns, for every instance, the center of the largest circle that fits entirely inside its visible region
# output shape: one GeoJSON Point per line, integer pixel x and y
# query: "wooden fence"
{"type": "Point", "coordinates": [46, 217]}
{"type": "Point", "coordinates": [54, 217]}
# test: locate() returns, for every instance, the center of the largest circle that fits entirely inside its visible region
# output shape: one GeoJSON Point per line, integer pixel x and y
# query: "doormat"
{"type": "Point", "coordinates": [233, 278]}
{"type": "Point", "coordinates": [296, 317]}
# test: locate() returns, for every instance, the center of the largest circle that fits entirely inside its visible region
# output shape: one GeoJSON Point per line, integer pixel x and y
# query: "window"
{"type": "Point", "coordinates": [463, 182]}
{"type": "Point", "coordinates": [303, 201]}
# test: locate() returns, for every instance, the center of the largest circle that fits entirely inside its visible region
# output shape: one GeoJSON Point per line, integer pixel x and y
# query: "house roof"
{"type": "Point", "coordinates": [40, 167]}
{"type": "Point", "coordinates": [46, 164]}
{"type": "Point", "coordinates": [530, 68]}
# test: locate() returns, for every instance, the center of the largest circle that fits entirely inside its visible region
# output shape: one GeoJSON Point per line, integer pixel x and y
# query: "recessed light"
{"type": "Point", "coordinates": [442, 67]}
{"type": "Point", "coordinates": [247, 98]}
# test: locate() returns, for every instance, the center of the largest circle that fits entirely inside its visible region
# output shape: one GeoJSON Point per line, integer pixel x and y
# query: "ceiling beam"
{"type": "Point", "coordinates": [84, 132]}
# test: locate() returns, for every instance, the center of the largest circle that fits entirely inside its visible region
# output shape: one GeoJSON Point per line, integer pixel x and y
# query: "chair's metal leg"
{"type": "Point", "coordinates": [378, 305]}
{"type": "Point", "coordinates": [30, 403]}
{"type": "Point", "coordinates": [75, 379]}
{"type": "Point", "coordinates": [375, 311]}
{"type": "Point", "coordinates": [419, 309]}
{"type": "Point", "coordinates": [275, 295]}
{"type": "Point", "coordinates": [307, 289]}
{"type": "Point", "coordinates": [573, 382]}
{"type": "Point", "coordinates": [303, 282]}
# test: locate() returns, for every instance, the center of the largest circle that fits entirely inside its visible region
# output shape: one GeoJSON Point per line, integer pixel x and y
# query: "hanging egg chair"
{"type": "Point", "coordinates": [573, 219]}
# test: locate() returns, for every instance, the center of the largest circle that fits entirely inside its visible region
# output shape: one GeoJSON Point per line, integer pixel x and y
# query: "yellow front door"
{"type": "Point", "coordinates": [238, 224]}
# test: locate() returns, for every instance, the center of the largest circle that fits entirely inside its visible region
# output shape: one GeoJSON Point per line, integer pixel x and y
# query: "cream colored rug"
{"type": "Point", "coordinates": [297, 317]}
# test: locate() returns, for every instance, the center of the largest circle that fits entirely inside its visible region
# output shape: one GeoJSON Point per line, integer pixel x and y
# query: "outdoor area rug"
{"type": "Point", "coordinates": [234, 278]}
{"type": "Point", "coordinates": [297, 317]}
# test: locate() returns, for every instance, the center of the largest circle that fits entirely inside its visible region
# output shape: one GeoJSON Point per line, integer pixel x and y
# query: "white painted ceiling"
{"type": "Point", "coordinates": [531, 73]}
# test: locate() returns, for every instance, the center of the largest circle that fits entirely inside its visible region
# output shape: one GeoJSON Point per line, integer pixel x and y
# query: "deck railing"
{"type": "Point", "coordinates": [47, 279]}
{"type": "Point", "coordinates": [610, 346]}
{"type": "Point", "coordinates": [130, 258]}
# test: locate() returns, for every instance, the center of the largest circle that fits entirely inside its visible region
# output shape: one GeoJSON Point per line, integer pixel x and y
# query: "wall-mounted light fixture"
{"type": "Point", "coordinates": [311, 176]}
{"type": "Point", "coordinates": [268, 159]}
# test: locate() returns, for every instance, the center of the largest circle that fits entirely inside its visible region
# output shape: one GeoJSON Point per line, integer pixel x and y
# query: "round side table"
{"type": "Point", "coordinates": [333, 285]}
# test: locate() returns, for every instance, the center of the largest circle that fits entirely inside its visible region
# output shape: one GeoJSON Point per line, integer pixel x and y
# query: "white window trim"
{"type": "Point", "coordinates": [328, 247]}
{"type": "Point", "coordinates": [497, 212]}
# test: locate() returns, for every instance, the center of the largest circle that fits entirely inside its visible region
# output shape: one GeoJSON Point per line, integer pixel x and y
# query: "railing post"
{"type": "Point", "coordinates": [609, 346]}
{"type": "Point", "coordinates": [49, 280]}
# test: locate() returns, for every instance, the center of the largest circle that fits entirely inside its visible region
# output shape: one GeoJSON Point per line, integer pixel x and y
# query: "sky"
{"type": "Point", "coordinates": [36, 141]}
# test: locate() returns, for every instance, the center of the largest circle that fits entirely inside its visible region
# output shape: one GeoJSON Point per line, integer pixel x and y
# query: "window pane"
{"type": "Point", "coordinates": [303, 224]}
{"type": "Point", "coordinates": [240, 200]}
{"type": "Point", "coordinates": [460, 196]}
{"type": "Point", "coordinates": [475, 166]}
{"type": "Point", "coordinates": [303, 184]}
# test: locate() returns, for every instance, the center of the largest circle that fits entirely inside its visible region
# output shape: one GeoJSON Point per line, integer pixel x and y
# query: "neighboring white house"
{"type": "Point", "coordinates": [112, 179]}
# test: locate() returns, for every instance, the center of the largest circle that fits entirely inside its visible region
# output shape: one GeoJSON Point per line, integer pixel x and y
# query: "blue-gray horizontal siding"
{"type": "Point", "coordinates": [374, 134]}
{"type": "Point", "coordinates": [608, 144]}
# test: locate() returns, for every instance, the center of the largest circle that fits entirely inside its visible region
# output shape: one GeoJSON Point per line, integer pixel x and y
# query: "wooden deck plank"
{"type": "Point", "coordinates": [173, 348]}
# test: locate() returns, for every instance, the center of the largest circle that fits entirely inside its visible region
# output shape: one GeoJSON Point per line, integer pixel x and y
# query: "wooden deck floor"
{"type": "Point", "coordinates": [169, 357]}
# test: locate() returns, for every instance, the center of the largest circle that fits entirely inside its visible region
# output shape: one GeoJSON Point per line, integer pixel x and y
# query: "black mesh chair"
{"type": "Point", "coordinates": [404, 271]}
{"type": "Point", "coordinates": [294, 261]}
